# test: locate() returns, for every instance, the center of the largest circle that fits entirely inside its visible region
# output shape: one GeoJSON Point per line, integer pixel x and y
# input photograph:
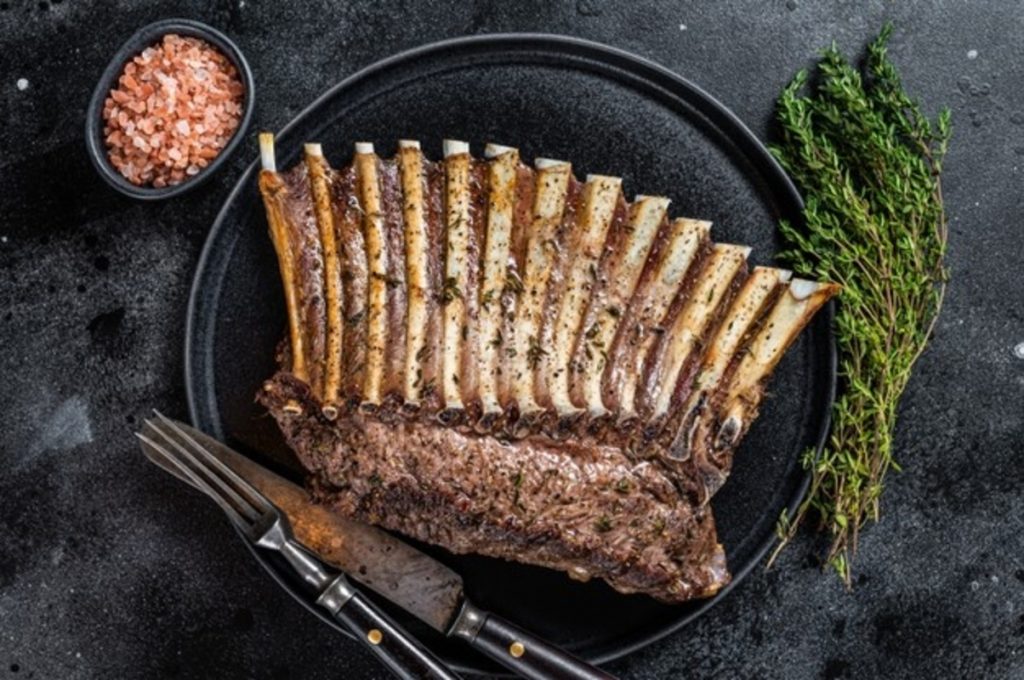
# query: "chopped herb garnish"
{"type": "Point", "coordinates": [695, 384]}
{"type": "Point", "coordinates": [535, 352]}
{"type": "Point", "coordinates": [389, 281]}
{"type": "Point", "coordinates": [513, 283]}
{"type": "Point", "coordinates": [450, 291]}
{"type": "Point", "coordinates": [428, 389]}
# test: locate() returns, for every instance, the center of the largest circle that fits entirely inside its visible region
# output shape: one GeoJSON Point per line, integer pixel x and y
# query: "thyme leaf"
{"type": "Point", "coordinates": [869, 162]}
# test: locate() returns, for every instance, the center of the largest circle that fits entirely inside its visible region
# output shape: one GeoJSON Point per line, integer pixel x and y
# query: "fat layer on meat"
{"type": "Point", "coordinates": [501, 359]}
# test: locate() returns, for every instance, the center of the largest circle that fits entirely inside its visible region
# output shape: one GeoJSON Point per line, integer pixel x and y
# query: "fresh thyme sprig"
{"type": "Point", "coordinates": [868, 162]}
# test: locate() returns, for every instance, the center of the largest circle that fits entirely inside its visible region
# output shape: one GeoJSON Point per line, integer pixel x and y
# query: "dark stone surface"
{"type": "Point", "coordinates": [99, 575]}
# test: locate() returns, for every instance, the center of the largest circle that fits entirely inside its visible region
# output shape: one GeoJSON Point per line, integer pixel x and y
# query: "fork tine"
{"type": "Point", "coordinates": [199, 460]}
{"type": "Point", "coordinates": [151, 448]}
{"type": "Point", "coordinates": [261, 502]}
{"type": "Point", "coordinates": [160, 460]}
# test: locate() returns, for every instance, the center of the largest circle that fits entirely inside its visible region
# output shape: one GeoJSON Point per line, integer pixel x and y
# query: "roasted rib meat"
{"type": "Point", "coordinates": [501, 359]}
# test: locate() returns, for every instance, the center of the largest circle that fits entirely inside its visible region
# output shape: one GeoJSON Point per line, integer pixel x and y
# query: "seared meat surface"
{"type": "Point", "coordinates": [504, 360]}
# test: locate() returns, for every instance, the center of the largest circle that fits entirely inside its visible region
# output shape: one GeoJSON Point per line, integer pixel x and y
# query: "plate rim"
{"type": "Point", "coordinates": [739, 134]}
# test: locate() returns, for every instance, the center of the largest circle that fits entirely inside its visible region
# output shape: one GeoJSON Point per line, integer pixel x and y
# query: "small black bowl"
{"type": "Point", "coordinates": [143, 38]}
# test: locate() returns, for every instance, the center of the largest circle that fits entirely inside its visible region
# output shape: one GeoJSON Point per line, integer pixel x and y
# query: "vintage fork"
{"type": "Point", "coordinates": [266, 527]}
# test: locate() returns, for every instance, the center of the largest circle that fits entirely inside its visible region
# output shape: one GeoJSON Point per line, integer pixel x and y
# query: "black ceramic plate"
{"type": "Point", "coordinates": [608, 112]}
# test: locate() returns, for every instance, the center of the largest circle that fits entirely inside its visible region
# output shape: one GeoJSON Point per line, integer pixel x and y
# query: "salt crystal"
{"type": "Point", "coordinates": [183, 86]}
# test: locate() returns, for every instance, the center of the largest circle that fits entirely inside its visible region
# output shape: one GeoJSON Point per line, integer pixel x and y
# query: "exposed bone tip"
{"type": "Point", "coordinates": [330, 411]}
{"type": "Point", "coordinates": [729, 433]}
{"type": "Point", "coordinates": [408, 144]}
{"type": "Point", "coordinates": [454, 147]}
{"type": "Point", "coordinates": [608, 179]}
{"type": "Point", "coordinates": [313, 149]}
{"type": "Point", "coordinates": [741, 251]}
{"type": "Point", "coordinates": [267, 159]}
{"type": "Point", "coordinates": [547, 163]}
{"type": "Point", "coordinates": [785, 275]}
{"type": "Point", "coordinates": [495, 150]}
{"type": "Point", "coordinates": [364, 147]}
{"type": "Point", "coordinates": [802, 289]}
{"type": "Point", "coordinates": [292, 407]}
{"type": "Point", "coordinates": [639, 198]}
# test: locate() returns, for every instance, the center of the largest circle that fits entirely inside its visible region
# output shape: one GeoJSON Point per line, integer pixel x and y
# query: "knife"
{"type": "Point", "coordinates": [411, 579]}
{"type": "Point", "coordinates": [263, 526]}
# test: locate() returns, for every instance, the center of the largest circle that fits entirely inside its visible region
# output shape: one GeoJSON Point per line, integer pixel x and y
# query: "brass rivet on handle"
{"type": "Point", "coordinates": [374, 636]}
{"type": "Point", "coordinates": [516, 649]}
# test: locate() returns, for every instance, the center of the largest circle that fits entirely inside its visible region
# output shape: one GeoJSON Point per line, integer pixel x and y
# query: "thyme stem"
{"type": "Point", "coordinates": [869, 162]}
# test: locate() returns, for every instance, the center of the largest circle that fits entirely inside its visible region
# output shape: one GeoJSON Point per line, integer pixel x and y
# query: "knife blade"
{"type": "Point", "coordinates": [413, 580]}
{"type": "Point", "coordinates": [397, 571]}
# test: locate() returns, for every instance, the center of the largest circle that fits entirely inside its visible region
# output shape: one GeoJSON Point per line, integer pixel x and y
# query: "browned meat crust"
{"type": "Point", "coordinates": [532, 367]}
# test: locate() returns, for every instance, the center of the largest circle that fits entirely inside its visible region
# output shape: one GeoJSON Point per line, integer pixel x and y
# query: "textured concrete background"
{"type": "Point", "coordinates": [97, 581]}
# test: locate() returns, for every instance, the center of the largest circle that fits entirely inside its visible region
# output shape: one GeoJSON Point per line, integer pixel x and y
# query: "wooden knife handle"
{"type": "Point", "coordinates": [404, 656]}
{"type": "Point", "coordinates": [519, 651]}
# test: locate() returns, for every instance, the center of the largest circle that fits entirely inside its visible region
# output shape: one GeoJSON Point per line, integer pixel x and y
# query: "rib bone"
{"type": "Point", "coordinates": [542, 371]}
